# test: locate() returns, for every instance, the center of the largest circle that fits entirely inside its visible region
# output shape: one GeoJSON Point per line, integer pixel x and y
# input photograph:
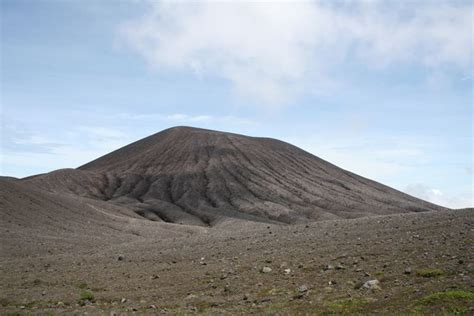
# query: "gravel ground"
{"type": "Point", "coordinates": [422, 261]}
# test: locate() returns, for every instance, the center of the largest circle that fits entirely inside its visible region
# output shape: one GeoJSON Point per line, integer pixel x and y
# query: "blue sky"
{"type": "Point", "coordinates": [379, 88]}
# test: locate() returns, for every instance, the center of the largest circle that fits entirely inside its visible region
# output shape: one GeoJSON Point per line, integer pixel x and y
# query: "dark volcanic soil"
{"type": "Point", "coordinates": [201, 177]}
{"type": "Point", "coordinates": [196, 221]}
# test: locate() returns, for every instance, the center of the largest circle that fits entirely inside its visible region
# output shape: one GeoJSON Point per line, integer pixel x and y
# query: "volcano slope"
{"type": "Point", "coordinates": [202, 177]}
{"type": "Point", "coordinates": [185, 220]}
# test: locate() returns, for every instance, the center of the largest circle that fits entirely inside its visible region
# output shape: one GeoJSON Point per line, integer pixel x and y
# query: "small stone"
{"type": "Point", "coordinates": [287, 271]}
{"type": "Point", "coordinates": [152, 306]}
{"type": "Point", "coordinates": [328, 267]}
{"type": "Point", "coordinates": [408, 270]}
{"type": "Point", "coordinates": [303, 288]}
{"type": "Point", "coordinates": [371, 285]}
{"type": "Point", "coordinates": [339, 267]}
{"type": "Point", "coordinates": [266, 270]}
{"type": "Point", "coordinates": [123, 300]}
{"type": "Point", "coordinates": [120, 257]}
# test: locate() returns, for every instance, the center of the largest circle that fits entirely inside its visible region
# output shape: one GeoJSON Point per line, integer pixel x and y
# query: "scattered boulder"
{"type": "Point", "coordinates": [408, 270]}
{"type": "Point", "coordinates": [371, 285]}
{"type": "Point", "coordinates": [266, 270]}
{"type": "Point", "coordinates": [339, 267]}
{"type": "Point", "coordinates": [191, 296]}
{"type": "Point", "coordinates": [328, 267]}
{"type": "Point", "coordinates": [303, 288]}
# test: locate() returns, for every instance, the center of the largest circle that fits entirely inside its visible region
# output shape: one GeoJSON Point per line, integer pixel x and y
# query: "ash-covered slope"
{"type": "Point", "coordinates": [202, 177]}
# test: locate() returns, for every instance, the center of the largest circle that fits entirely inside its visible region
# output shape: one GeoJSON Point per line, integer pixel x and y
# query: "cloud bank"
{"type": "Point", "coordinates": [274, 51]}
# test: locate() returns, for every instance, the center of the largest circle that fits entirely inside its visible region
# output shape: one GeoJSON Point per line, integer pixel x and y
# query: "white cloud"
{"type": "Point", "coordinates": [436, 196]}
{"type": "Point", "coordinates": [272, 51]}
{"type": "Point", "coordinates": [33, 140]}
{"type": "Point", "coordinates": [377, 158]}
{"type": "Point", "coordinates": [188, 118]}
{"type": "Point", "coordinates": [180, 118]}
{"type": "Point", "coordinates": [27, 151]}
{"type": "Point", "coordinates": [102, 132]}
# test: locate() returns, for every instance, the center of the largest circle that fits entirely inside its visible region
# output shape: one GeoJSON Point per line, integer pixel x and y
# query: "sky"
{"type": "Point", "coordinates": [381, 88]}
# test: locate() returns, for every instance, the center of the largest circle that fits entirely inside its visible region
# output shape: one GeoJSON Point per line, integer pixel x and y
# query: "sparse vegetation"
{"type": "Point", "coordinates": [345, 306]}
{"type": "Point", "coordinates": [83, 286]}
{"type": "Point", "coordinates": [269, 292]}
{"type": "Point", "coordinates": [203, 306]}
{"type": "Point", "coordinates": [430, 273]}
{"type": "Point", "coordinates": [86, 296]}
{"type": "Point", "coordinates": [447, 296]}
{"type": "Point", "coordinates": [453, 302]}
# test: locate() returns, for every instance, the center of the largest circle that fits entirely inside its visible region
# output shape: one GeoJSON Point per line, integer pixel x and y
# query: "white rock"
{"type": "Point", "coordinates": [266, 270]}
{"type": "Point", "coordinates": [372, 285]}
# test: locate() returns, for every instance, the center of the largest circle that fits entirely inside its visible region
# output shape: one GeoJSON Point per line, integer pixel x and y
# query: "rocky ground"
{"type": "Point", "coordinates": [416, 263]}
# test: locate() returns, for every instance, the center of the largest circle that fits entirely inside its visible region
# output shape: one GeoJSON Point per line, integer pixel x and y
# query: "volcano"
{"type": "Point", "coordinates": [187, 220]}
{"type": "Point", "coordinates": [201, 177]}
